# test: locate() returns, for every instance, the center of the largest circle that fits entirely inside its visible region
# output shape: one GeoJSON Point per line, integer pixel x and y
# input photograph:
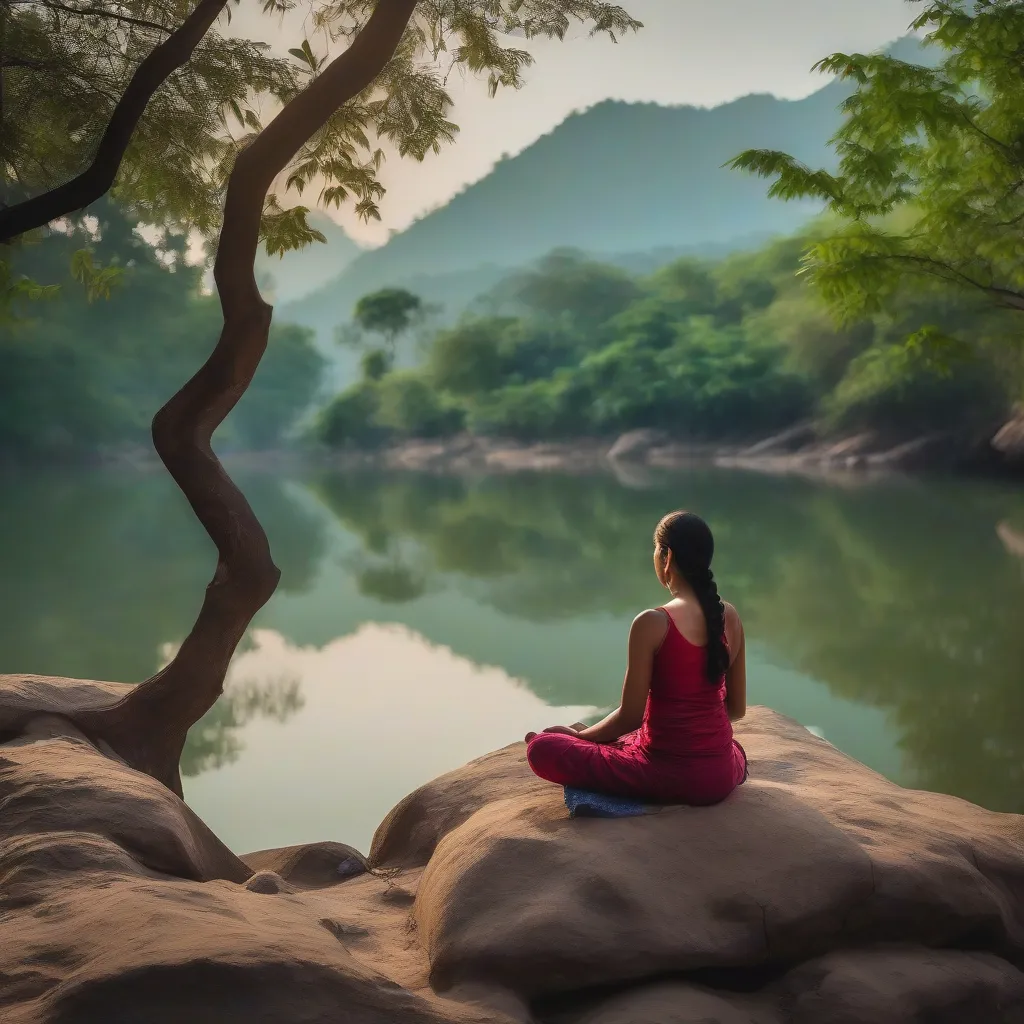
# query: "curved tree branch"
{"type": "Point", "coordinates": [97, 179]}
{"type": "Point", "coordinates": [98, 12]}
{"type": "Point", "coordinates": [1007, 298]}
{"type": "Point", "coordinates": [148, 727]}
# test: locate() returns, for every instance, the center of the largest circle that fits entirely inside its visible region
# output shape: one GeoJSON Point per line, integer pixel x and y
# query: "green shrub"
{"type": "Point", "coordinates": [467, 359]}
{"type": "Point", "coordinates": [410, 407]}
{"type": "Point", "coordinates": [351, 418]}
{"type": "Point", "coordinates": [901, 391]}
{"type": "Point", "coordinates": [713, 382]}
{"type": "Point", "coordinates": [528, 412]}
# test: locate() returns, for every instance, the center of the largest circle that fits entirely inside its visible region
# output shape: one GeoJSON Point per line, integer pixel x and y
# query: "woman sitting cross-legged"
{"type": "Point", "coordinates": [670, 740]}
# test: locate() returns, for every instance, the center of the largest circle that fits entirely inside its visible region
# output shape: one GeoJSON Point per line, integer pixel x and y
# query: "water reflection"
{"type": "Point", "coordinates": [887, 615]}
{"type": "Point", "coordinates": [898, 595]}
{"type": "Point", "coordinates": [214, 740]}
{"type": "Point", "coordinates": [1012, 538]}
{"type": "Point", "coordinates": [383, 710]}
{"type": "Point", "coordinates": [101, 569]}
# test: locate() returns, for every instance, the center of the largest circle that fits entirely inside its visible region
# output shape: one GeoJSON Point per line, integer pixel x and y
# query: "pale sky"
{"type": "Point", "coordinates": [689, 52]}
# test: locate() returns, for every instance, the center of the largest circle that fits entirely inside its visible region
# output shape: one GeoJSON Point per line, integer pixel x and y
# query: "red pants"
{"type": "Point", "coordinates": [627, 769]}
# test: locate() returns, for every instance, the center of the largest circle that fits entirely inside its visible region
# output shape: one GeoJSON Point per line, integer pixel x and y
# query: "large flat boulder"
{"type": "Point", "coordinates": [119, 905]}
{"type": "Point", "coordinates": [815, 853]}
{"type": "Point", "coordinates": [818, 892]}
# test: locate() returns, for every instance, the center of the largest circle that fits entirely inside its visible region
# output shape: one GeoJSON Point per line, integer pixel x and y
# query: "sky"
{"type": "Point", "coordinates": [689, 52]}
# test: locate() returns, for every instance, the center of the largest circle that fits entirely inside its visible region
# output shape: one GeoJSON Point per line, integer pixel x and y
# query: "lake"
{"type": "Point", "coordinates": [423, 621]}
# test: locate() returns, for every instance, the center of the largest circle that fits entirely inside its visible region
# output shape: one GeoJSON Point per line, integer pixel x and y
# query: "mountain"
{"type": "Point", "coordinates": [304, 270]}
{"type": "Point", "coordinates": [618, 178]}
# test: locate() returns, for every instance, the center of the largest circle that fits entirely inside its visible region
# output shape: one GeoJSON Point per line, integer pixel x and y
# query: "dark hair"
{"type": "Point", "coordinates": [689, 539]}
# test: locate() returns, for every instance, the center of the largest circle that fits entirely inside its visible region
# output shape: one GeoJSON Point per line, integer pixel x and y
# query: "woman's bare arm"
{"type": "Point", "coordinates": [645, 636]}
{"type": "Point", "coordinates": [736, 673]}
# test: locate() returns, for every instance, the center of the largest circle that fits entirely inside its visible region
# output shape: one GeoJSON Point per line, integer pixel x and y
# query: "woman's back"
{"type": "Point", "coordinates": [670, 739]}
{"type": "Point", "coordinates": [685, 714]}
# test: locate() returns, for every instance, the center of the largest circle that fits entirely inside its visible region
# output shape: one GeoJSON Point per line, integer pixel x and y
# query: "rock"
{"type": "Point", "coordinates": [117, 904]}
{"type": "Point", "coordinates": [28, 696]}
{"type": "Point", "coordinates": [839, 451]}
{"type": "Point", "coordinates": [787, 441]}
{"type": "Point", "coordinates": [482, 903]}
{"type": "Point", "coordinates": [893, 986]}
{"type": "Point", "coordinates": [815, 852]}
{"type": "Point", "coordinates": [56, 787]}
{"type": "Point", "coordinates": [1009, 441]}
{"type": "Point", "coordinates": [513, 899]}
{"type": "Point", "coordinates": [673, 1003]}
{"type": "Point", "coordinates": [930, 452]}
{"type": "Point", "coordinates": [311, 866]}
{"type": "Point", "coordinates": [635, 444]}
{"type": "Point", "coordinates": [870, 986]}
{"type": "Point", "coordinates": [412, 829]}
{"type": "Point", "coordinates": [1013, 539]}
{"type": "Point", "coordinates": [120, 949]}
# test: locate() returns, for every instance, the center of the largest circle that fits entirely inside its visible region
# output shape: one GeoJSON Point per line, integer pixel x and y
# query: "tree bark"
{"type": "Point", "coordinates": [98, 178]}
{"type": "Point", "coordinates": [148, 727]}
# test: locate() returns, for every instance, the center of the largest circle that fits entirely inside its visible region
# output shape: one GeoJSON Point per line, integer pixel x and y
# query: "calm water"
{"type": "Point", "coordinates": [422, 622]}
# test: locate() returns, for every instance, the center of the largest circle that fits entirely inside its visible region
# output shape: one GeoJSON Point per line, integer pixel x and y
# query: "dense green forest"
{"type": "Point", "coordinates": [78, 376]}
{"type": "Point", "coordinates": [728, 349]}
{"type": "Point", "coordinates": [897, 311]}
{"type": "Point", "coordinates": [681, 198]}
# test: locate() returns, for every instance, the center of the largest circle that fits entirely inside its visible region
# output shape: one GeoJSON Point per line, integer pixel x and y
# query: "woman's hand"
{"type": "Point", "coordinates": [566, 730]}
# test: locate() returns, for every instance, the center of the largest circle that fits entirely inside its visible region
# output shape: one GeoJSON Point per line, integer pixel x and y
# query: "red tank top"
{"type": "Point", "coordinates": [685, 714]}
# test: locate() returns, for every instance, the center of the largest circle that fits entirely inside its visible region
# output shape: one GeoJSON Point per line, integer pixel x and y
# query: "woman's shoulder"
{"type": "Point", "coordinates": [651, 618]}
{"type": "Point", "coordinates": [651, 625]}
{"type": "Point", "coordinates": [733, 623]}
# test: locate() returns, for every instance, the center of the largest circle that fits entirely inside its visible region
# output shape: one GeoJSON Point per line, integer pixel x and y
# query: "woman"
{"type": "Point", "coordinates": [670, 740]}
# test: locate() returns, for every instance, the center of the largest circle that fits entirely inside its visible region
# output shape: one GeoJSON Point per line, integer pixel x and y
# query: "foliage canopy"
{"type": "Point", "coordinates": [66, 67]}
{"type": "Point", "coordinates": [733, 349]}
{"type": "Point", "coordinates": [928, 191]}
{"type": "Point", "coordinates": [64, 397]}
{"type": "Point", "coordinates": [388, 312]}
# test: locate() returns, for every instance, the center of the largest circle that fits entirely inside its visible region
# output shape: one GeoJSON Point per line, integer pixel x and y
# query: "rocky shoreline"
{"type": "Point", "coordinates": [818, 891]}
{"type": "Point", "coordinates": [798, 450]}
{"type": "Point", "coordinates": [634, 457]}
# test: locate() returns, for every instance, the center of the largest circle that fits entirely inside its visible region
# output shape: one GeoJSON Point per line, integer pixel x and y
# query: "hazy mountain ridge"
{"type": "Point", "coordinates": [618, 178]}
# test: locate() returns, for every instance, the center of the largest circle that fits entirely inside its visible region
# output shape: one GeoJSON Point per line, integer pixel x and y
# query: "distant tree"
{"type": "Point", "coordinates": [165, 140]}
{"type": "Point", "coordinates": [468, 358]}
{"type": "Point", "coordinates": [389, 313]}
{"type": "Point", "coordinates": [928, 191]}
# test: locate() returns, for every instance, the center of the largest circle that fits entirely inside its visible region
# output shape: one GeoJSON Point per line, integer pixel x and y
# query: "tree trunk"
{"type": "Point", "coordinates": [148, 727]}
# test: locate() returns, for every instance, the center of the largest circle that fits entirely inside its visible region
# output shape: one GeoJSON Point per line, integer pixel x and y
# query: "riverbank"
{"type": "Point", "coordinates": [634, 457]}
{"type": "Point", "coordinates": [798, 450]}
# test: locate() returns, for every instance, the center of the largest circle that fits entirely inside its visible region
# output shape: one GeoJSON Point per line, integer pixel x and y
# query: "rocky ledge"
{"type": "Point", "coordinates": [819, 893]}
{"type": "Point", "coordinates": [632, 456]}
